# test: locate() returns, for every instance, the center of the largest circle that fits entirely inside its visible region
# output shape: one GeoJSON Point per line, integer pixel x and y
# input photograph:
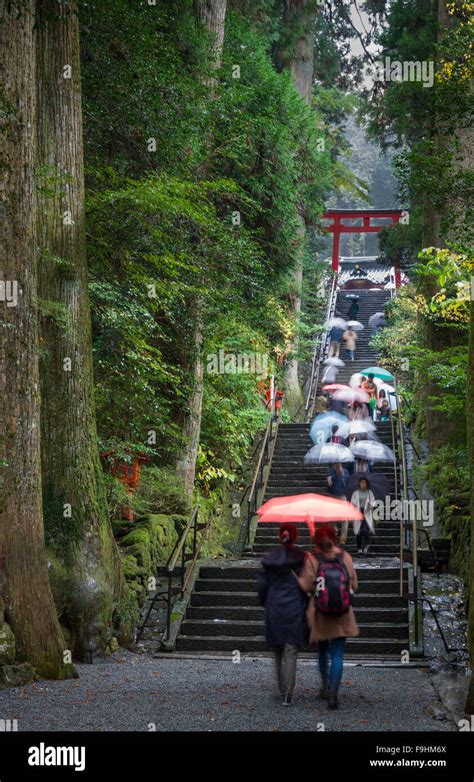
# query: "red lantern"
{"type": "Point", "coordinates": [128, 473]}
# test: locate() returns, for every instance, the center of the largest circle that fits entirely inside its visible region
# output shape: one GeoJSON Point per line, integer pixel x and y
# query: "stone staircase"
{"type": "Point", "coordinates": [289, 475]}
{"type": "Point", "coordinates": [224, 614]}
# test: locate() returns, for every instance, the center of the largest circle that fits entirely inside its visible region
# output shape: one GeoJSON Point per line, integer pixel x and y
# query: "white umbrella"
{"type": "Point", "coordinates": [372, 451]}
{"type": "Point", "coordinates": [387, 388]}
{"type": "Point", "coordinates": [355, 427]}
{"type": "Point", "coordinates": [375, 318]}
{"type": "Point", "coordinates": [334, 362]}
{"type": "Point", "coordinates": [329, 376]}
{"type": "Point", "coordinates": [336, 323]}
{"type": "Point", "coordinates": [351, 396]}
{"type": "Point", "coordinates": [355, 325]}
{"type": "Point", "coordinates": [356, 380]}
{"type": "Point", "coordinates": [328, 453]}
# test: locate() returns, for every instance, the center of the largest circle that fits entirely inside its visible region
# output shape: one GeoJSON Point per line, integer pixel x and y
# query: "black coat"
{"type": "Point", "coordinates": [353, 310]}
{"type": "Point", "coordinates": [285, 603]}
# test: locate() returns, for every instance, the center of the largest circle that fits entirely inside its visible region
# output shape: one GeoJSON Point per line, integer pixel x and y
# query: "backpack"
{"type": "Point", "coordinates": [332, 588]}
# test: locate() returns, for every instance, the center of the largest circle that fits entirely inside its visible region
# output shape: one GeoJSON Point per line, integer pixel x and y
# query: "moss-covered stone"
{"type": "Point", "coordinates": [460, 547]}
{"type": "Point", "coordinates": [145, 544]}
{"type": "Point", "coordinates": [7, 645]}
{"type": "Point", "coordinates": [130, 567]}
{"type": "Point", "coordinates": [17, 675]}
{"type": "Point", "coordinates": [138, 544]}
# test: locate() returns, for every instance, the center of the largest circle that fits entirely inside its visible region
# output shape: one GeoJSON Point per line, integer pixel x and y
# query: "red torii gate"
{"type": "Point", "coordinates": [337, 228]}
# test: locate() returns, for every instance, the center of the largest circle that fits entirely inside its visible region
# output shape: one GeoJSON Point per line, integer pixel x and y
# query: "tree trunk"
{"type": "Point", "coordinates": [211, 14]}
{"type": "Point", "coordinates": [24, 575]}
{"type": "Point", "coordinates": [470, 431]}
{"type": "Point", "coordinates": [186, 465]}
{"type": "Point", "coordinates": [78, 530]}
{"type": "Point", "coordinates": [295, 52]}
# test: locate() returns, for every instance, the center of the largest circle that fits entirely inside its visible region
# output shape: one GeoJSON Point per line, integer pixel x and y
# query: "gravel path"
{"type": "Point", "coordinates": [132, 691]}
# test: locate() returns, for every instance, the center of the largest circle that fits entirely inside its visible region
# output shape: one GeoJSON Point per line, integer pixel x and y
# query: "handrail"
{"type": "Point", "coordinates": [406, 509]}
{"type": "Point", "coordinates": [258, 479]}
{"type": "Point", "coordinates": [449, 649]}
{"type": "Point", "coordinates": [179, 551]}
{"type": "Point", "coordinates": [318, 354]}
{"type": "Point", "coordinates": [178, 548]}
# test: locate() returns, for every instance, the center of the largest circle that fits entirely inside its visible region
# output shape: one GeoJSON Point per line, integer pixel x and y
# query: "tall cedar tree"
{"type": "Point", "coordinates": [295, 52]}
{"type": "Point", "coordinates": [211, 14]}
{"type": "Point", "coordinates": [24, 576]}
{"type": "Point", "coordinates": [75, 509]}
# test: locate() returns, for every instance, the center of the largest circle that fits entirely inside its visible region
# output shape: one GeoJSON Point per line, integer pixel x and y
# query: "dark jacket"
{"type": "Point", "coordinates": [353, 310]}
{"type": "Point", "coordinates": [285, 603]}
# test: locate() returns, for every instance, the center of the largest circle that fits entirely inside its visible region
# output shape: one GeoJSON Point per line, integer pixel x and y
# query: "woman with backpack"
{"type": "Point", "coordinates": [330, 578]}
{"type": "Point", "coordinates": [285, 603]}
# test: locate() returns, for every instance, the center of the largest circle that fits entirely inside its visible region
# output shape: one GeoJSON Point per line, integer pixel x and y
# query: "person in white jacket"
{"type": "Point", "coordinates": [364, 500]}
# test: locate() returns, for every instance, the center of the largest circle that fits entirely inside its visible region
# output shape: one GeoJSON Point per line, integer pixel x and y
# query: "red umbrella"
{"type": "Point", "coordinates": [312, 508]}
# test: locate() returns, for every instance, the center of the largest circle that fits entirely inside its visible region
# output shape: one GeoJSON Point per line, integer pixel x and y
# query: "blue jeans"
{"type": "Point", "coordinates": [335, 650]}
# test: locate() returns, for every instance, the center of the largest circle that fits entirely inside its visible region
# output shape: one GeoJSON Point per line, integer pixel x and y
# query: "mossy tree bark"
{"type": "Point", "coordinates": [295, 52]}
{"type": "Point", "coordinates": [211, 14]}
{"type": "Point", "coordinates": [78, 529]}
{"type": "Point", "coordinates": [29, 604]}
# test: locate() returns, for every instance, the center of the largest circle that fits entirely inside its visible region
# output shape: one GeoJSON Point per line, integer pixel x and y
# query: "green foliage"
{"type": "Point", "coordinates": [159, 492]}
{"type": "Point", "coordinates": [429, 124]}
{"type": "Point", "coordinates": [452, 273]}
{"type": "Point", "coordinates": [447, 475]}
{"type": "Point", "coordinates": [56, 312]}
{"type": "Point", "coordinates": [162, 227]}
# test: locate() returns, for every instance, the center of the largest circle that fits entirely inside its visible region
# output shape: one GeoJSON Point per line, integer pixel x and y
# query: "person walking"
{"type": "Point", "coordinates": [353, 310]}
{"type": "Point", "coordinates": [364, 500]}
{"type": "Point", "coordinates": [371, 389]}
{"type": "Point", "coordinates": [334, 437]}
{"type": "Point", "coordinates": [335, 337]}
{"type": "Point", "coordinates": [330, 578]}
{"type": "Point", "coordinates": [337, 479]}
{"type": "Point", "coordinates": [285, 606]}
{"type": "Point", "coordinates": [330, 375]}
{"type": "Point", "coordinates": [350, 340]}
{"type": "Point", "coordinates": [358, 411]}
{"type": "Point", "coordinates": [383, 406]}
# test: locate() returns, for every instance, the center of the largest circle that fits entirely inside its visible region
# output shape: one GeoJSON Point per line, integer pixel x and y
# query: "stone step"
{"type": "Point", "coordinates": [249, 572]}
{"type": "Point", "coordinates": [383, 533]}
{"type": "Point", "coordinates": [250, 598]}
{"type": "Point", "coordinates": [256, 613]}
{"type": "Point", "coordinates": [355, 646]}
{"type": "Point", "coordinates": [388, 550]}
{"type": "Point", "coordinates": [241, 585]}
{"type": "Point", "coordinates": [245, 629]}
